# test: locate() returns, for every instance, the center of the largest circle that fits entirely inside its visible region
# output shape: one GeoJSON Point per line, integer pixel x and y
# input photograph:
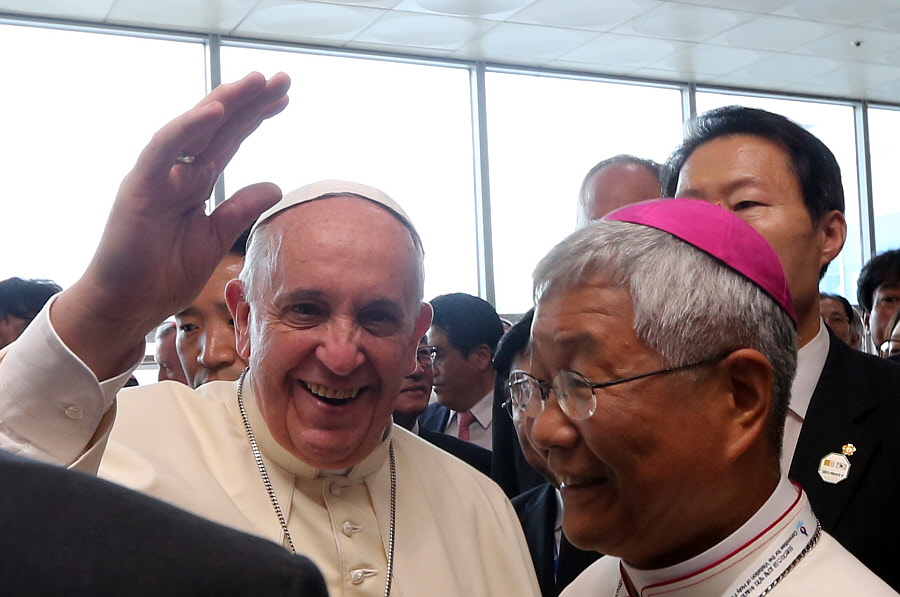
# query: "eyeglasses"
{"type": "Point", "coordinates": [425, 356]}
{"type": "Point", "coordinates": [574, 391]}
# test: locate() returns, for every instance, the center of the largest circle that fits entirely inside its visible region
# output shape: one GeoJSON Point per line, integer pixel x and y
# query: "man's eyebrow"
{"type": "Point", "coordinates": [383, 303]}
{"type": "Point", "coordinates": [187, 312]}
{"type": "Point", "coordinates": [744, 180]}
{"type": "Point", "coordinates": [299, 295]}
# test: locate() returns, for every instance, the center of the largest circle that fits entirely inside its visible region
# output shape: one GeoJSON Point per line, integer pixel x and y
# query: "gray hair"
{"type": "Point", "coordinates": [687, 305]}
{"type": "Point", "coordinates": [259, 262]}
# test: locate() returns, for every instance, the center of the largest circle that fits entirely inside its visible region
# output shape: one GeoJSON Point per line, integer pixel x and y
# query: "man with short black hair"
{"type": "Point", "coordinates": [838, 313]}
{"type": "Point", "coordinates": [205, 340]}
{"type": "Point", "coordinates": [412, 402]}
{"type": "Point", "coordinates": [556, 561]}
{"type": "Point", "coordinates": [845, 405]}
{"type": "Point", "coordinates": [20, 301]}
{"type": "Point", "coordinates": [878, 293]}
{"type": "Point", "coordinates": [464, 333]}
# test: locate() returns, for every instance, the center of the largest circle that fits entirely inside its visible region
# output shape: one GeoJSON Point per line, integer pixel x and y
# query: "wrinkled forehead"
{"type": "Point", "coordinates": [575, 316]}
{"type": "Point", "coordinates": [354, 240]}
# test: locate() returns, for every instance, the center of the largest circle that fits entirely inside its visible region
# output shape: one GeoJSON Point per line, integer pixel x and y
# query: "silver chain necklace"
{"type": "Point", "coordinates": [270, 489]}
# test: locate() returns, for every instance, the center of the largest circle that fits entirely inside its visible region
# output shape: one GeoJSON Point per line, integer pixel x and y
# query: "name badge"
{"type": "Point", "coordinates": [835, 467]}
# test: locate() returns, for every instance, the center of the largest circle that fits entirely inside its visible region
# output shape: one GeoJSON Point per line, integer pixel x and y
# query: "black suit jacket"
{"type": "Point", "coordinates": [66, 533]}
{"type": "Point", "coordinates": [856, 401]}
{"type": "Point", "coordinates": [435, 418]}
{"type": "Point", "coordinates": [537, 513]}
{"type": "Point", "coordinates": [472, 454]}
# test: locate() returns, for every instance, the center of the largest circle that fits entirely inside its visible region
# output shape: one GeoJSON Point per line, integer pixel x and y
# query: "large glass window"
{"type": "Point", "coordinates": [834, 125]}
{"type": "Point", "coordinates": [76, 109]}
{"type": "Point", "coordinates": [404, 128]}
{"type": "Point", "coordinates": [544, 134]}
{"type": "Point", "coordinates": [884, 145]}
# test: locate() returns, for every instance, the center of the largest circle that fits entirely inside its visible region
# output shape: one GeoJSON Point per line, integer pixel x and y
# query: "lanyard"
{"type": "Point", "coordinates": [785, 550]}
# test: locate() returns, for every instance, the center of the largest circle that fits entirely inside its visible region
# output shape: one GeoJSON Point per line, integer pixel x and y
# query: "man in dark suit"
{"type": "Point", "coordinates": [68, 533]}
{"type": "Point", "coordinates": [556, 561]}
{"type": "Point", "coordinates": [464, 334]}
{"type": "Point", "coordinates": [841, 439]}
{"type": "Point", "coordinates": [413, 400]}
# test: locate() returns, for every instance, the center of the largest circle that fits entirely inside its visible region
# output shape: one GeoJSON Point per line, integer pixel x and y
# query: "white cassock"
{"type": "Point", "coordinates": [456, 534]}
{"type": "Point", "coordinates": [774, 554]}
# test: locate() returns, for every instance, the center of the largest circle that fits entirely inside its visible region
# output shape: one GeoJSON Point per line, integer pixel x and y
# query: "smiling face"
{"type": "Point", "coordinates": [639, 477]}
{"type": "Point", "coordinates": [332, 329]}
{"type": "Point", "coordinates": [754, 178]}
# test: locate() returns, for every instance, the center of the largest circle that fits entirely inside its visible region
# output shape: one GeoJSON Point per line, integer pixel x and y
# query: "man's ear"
{"type": "Point", "coordinates": [240, 313]}
{"type": "Point", "coordinates": [481, 357]}
{"type": "Point", "coordinates": [833, 227]}
{"type": "Point", "coordinates": [750, 377]}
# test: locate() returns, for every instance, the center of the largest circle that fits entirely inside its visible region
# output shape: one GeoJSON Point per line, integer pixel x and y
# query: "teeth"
{"type": "Point", "coordinates": [331, 393]}
{"type": "Point", "coordinates": [565, 481]}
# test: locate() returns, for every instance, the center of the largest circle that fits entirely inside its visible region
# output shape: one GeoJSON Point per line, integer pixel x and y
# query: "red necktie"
{"type": "Point", "coordinates": [463, 420]}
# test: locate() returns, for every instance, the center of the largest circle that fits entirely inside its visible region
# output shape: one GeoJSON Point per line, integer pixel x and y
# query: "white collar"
{"type": "Point", "coordinates": [810, 362]}
{"type": "Point", "coordinates": [781, 500]}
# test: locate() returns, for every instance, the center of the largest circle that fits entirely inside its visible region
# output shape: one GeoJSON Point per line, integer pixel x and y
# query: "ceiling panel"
{"type": "Point", "coordinates": [415, 30]}
{"type": "Point", "coordinates": [216, 16]}
{"type": "Point", "coordinates": [88, 10]}
{"type": "Point", "coordinates": [583, 14]}
{"type": "Point", "coordinates": [792, 45]}
{"type": "Point", "coordinates": [684, 22]}
{"type": "Point", "coordinates": [311, 22]}
{"type": "Point", "coordinates": [773, 33]}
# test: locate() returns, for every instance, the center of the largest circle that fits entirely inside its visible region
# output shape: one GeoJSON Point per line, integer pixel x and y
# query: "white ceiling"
{"type": "Point", "coordinates": [836, 48]}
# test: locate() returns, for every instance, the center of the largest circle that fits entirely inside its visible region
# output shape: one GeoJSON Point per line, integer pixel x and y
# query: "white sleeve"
{"type": "Point", "coordinates": [51, 403]}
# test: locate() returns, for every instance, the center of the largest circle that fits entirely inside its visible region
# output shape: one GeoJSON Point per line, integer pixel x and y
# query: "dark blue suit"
{"type": "Point", "coordinates": [472, 454]}
{"type": "Point", "coordinates": [435, 418]}
{"type": "Point", "coordinates": [537, 513]}
{"type": "Point", "coordinates": [856, 401]}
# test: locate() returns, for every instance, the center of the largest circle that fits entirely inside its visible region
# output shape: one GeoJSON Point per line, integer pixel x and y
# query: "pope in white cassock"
{"type": "Point", "coordinates": [328, 312]}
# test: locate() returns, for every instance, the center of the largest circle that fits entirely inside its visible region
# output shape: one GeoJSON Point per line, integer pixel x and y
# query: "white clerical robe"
{"type": "Point", "coordinates": [827, 570]}
{"type": "Point", "coordinates": [189, 447]}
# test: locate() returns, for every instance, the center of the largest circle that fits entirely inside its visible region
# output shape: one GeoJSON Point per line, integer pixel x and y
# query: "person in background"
{"type": "Point", "coordinates": [615, 182]}
{"type": "Point", "coordinates": [20, 301]}
{"type": "Point", "coordinates": [205, 340]}
{"type": "Point", "coordinates": [838, 313]}
{"type": "Point", "coordinates": [412, 402]}
{"type": "Point", "coordinates": [783, 181]}
{"type": "Point", "coordinates": [556, 561]}
{"type": "Point", "coordinates": [878, 293]}
{"type": "Point", "coordinates": [166, 356]}
{"type": "Point", "coordinates": [464, 335]}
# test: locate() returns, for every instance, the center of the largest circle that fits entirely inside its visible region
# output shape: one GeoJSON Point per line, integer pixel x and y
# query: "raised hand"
{"type": "Point", "coordinates": [159, 246]}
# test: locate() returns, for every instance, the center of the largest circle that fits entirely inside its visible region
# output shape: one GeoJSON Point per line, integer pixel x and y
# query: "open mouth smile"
{"type": "Point", "coordinates": [331, 396]}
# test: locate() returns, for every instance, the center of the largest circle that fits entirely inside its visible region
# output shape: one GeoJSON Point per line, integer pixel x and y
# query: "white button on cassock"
{"type": "Point", "coordinates": [348, 528]}
{"type": "Point", "coordinates": [335, 489]}
{"type": "Point", "coordinates": [361, 574]}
